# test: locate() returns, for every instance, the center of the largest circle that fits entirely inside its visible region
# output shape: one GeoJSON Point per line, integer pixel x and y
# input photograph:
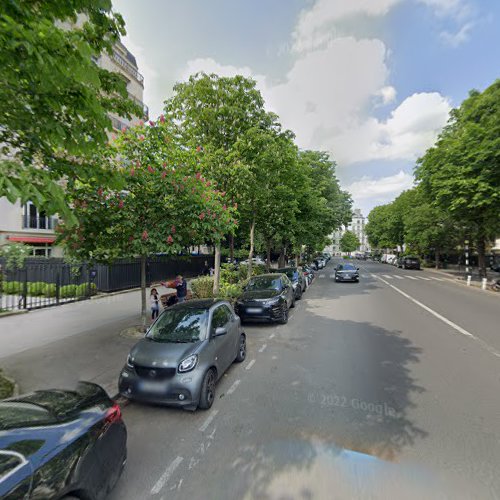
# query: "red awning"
{"type": "Point", "coordinates": [33, 239]}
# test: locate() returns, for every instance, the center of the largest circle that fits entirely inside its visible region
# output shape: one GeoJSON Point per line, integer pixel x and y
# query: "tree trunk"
{"type": "Point", "coordinates": [250, 253]}
{"type": "Point", "coordinates": [231, 247]}
{"type": "Point", "coordinates": [217, 270]}
{"type": "Point", "coordinates": [281, 260]}
{"type": "Point", "coordinates": [481, 251]}
{"type": "Point", "coordinates": [438, 255]}
{"type": "Point", "coordinates": [268, 260]}
{"type": "Point", "coordinates": [143, 291]}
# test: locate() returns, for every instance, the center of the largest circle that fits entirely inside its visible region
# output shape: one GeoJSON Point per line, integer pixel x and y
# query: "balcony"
{"type": "Point", "coordinates": [145, 109]}
{"type": "Point", "coordinates": [118, 124]}
{"type": "Point", "coordinates": [35, 222]}
{"type": "Point", "coordinates": [123, 63]}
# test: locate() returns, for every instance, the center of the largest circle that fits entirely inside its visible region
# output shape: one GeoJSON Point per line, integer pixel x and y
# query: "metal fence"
{"type": "Point", "coordinates": [48, 282]}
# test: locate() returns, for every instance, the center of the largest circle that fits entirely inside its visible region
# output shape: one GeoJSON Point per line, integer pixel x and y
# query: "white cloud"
{"type": "Point", "coordinates": [388, 94]}
{"type": "Point", "coordinates": [377, 191]}
{"type": "Point", "coordinates": [456, 39]}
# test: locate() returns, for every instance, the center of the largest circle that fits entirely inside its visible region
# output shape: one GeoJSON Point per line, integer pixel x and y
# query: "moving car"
{"type": "Point", "coordinates": [408, 262]}
{"type": "Point", "coordinates": [62, 444]}
{"type": "Point", "coordinates": [183, 354]}
{"type": "Point", "coordinates": [266, 297]}
{"type": "Point", "coordinates": [296, 276]}
{"type": "Point", "coordinates": [346, 272]}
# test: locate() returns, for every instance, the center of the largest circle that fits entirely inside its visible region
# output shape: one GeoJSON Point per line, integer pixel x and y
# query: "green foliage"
{"type": "Point", "coordinates": [202, 287]}
{"type": "Point", "coordinates": [36, 288]}
{"type": "Point", "coordinates": [49, 290]}
{"type": "Point", "coordinates": [13, 287]}
{"type": "Point", "coordinates": [15, 254]}
{"type": "Point", "coordinates": [229, 273]}
{"type": "Point", "coordinates": [6, 387]}
{"type": "Point", "coordinates": [230, 291]}
{"type": "Point", "coordinates": [349, 242]}
{"type": "Point", "coordinates": [68, 291]}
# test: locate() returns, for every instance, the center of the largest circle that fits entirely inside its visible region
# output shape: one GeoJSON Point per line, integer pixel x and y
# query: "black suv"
{"type": "Point", "coordinates": [409, 262]}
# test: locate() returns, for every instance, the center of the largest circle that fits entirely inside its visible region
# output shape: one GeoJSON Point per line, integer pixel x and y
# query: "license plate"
{"type": "Point", "coordinates": [157, 387]}
{"type": "Point", "coordinates": [348, 276]}
{"type": "Point", "coordinates": [254, 310]}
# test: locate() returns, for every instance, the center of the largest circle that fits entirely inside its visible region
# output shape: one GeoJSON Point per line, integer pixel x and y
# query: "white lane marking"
{"type": "Point", "coordinates": [263, 348]}
{"type": "Point", "coordinates": [250, 364]}
{"type": "Point", "coordinates": [411, 277]}
{"type": "Point", "coordinates": [456, 327]}
{"type": "Point", "coordinates": [422, 278]}
{"type": "Point", "coordinates": [387, 276]}
{"type": "Point", "coordinates": [398, 277]}
{"type": "Point", "coordinates": [233, 387]}
{"type": "Point", "coordinates": [271, 336]}
{"type": "Point", "coordinates": [373, 275]}
{"type": "Point", "coordinates": [364, 275]}
{"type": "Point", "coordinates": [437, 279]}
{"type": "Point", "coordinates": [321, 275]}
{"type": "Point", "coordinates": [208, 420]}
{"type": "Point", "coordinates": [160, 484]}
{"type": "Point", "coordinates": [332, 275]}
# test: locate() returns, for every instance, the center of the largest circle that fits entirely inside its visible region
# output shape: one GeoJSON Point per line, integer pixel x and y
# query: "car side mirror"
{"type": "Point", "coordinates": [357, 269]}
{"type": "Point", "coordinates": [219, 331]}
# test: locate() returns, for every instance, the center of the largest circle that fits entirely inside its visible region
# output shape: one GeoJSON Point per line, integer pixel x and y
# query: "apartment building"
{"type": "Point", "coordinates": [25, 223]}
{"type": "Point", "coordinates": [357, 226]}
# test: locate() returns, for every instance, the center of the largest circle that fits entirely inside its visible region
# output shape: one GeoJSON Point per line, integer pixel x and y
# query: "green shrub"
{"type": "Point", "coordinates": [203, 287]}
{"type": "Point", "coordinates": [67, 291]}
{"type": "Point", "coordinates": [256, 270]}
{"type": "Point", "coordinates": [93, 289]}
{"type": "Point", "coordinates": [49, 290]}
{"type": "Point", "coordinates": [229, 273]}
{"type": "Point", "coordinates": [36, 288]}
{"type": "Point", "coordinates": [12, 287]}
{"type": "Point", "coordinates": [230, 291]}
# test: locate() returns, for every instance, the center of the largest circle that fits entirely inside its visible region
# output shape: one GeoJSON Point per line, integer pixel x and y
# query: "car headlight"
{"type": "Point", "coordinates": [270, 302]}
{"type": "Point", "coordinates": [188, 364]}
{"type": "Point", "coordinates": [129, 362]}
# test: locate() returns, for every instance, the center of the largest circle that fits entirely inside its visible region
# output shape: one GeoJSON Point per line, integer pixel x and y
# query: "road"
{"type": "Point", "coordinates": [387, 388]}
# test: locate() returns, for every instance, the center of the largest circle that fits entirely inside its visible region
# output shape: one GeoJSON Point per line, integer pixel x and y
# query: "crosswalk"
{"type": "Point", "coordinates": [402, 277]}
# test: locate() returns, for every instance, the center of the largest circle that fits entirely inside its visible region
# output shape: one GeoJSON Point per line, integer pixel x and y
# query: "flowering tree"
{"type": "Point", "coordinates": [165, 205]}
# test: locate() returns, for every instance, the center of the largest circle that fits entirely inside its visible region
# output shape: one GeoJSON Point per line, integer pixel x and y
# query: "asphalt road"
{"type": "Point", "coordinates": [387, 388]}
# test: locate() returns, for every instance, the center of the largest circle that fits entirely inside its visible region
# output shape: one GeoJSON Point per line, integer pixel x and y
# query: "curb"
{"type": "Point", "coordinates": [13, 313]}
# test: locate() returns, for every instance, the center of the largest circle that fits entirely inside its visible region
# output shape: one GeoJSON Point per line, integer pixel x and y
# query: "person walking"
{"type": "Point", "coordinates": [181, 287]}
{"type": "Point", "coordinates": [155, 303]}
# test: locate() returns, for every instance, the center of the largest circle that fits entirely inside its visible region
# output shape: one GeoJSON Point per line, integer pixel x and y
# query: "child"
{"type": "Point", "coordinates": [155, 303]}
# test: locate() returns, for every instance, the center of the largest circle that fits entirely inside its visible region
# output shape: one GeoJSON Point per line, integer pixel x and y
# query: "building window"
{"type": "Point", "coordinates": [40, 250]}
{"type": "Point", "coordinates": [36, 219]}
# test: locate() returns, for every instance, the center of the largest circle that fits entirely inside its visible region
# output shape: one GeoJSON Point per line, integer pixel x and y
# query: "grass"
{"type": "Point", "coordinates": [6, 387]}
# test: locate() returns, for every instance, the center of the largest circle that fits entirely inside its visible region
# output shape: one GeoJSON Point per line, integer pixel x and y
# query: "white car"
{"type": "Point", "coordinates": [255, 261]}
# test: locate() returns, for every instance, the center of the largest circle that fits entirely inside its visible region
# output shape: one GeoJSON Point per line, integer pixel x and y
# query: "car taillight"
{"type": "Point", "coordinates": [114, 414]}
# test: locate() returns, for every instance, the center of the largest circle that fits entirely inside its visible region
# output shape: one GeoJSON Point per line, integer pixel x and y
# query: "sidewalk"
{"type": "Point", "coordinates": [56, 346]}
{"type": "Point", "coordinates": [461, 277]}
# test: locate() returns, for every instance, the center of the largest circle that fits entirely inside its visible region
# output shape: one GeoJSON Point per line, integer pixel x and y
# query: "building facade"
{"type": "Point", "coordinates": [357, 226]}
{"type": "Point", "coordinates": [25, 223]}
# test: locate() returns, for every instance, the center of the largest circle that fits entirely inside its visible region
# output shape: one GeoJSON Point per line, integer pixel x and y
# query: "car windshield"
{"type": "Point", "coordinates": [179, 325]}
{"type": "Point", "coordinates": [264, 283]}
{"type": "Point", "coordinates": [291, 273]}
{"type": "Point", "coordinates": [346, 267]}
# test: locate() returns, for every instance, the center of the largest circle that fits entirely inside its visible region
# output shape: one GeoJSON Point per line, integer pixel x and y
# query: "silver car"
{"type": "Point", "coordinates": [184, 353]}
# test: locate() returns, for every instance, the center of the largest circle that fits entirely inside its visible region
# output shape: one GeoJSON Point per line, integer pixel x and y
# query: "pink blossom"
{"type": "Point", "coordinates": [202, 215]}
{"type": "Point", "coordinates": [120, 204]}
{"type": "Point", "coordinates": [162, 118]}
{"type": "Point", "coordinates": [224, 207]}
{"type": "Point", "coordinates": [99, 192]}
{"type": "Point", "coordinates": [198, 175]}
{"type": "Point", "coordinates": [141, 122]}
{"type": "Point", "coordinates": [170, 240]}
{"type": "Point", "coordinates": [152, 123]}
{"type": "Point", "coordinates": [137, 163]}
{"type": "Point", "coordinates": [198, 148]}
{"type": "Point", "coordinates": [150, 169]}
{"type": "Point", "coordinates": [145, 235]}
{"type": "Point", "coordinates": [208, 183]}
{"type": "Point", "coordinates": [163, 174]}
{"type": "Point", "coordinates": [132, 172]}
{"type": "Point", "coordinates": [172, 229]}
{"type": "Point", "coordinates": [223, 193]}
{"type": "Point", "coordinates": [141, 137]}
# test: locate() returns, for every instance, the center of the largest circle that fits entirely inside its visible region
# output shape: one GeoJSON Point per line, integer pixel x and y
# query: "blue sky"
{"type": "Point", "coordinates": [370, 81]}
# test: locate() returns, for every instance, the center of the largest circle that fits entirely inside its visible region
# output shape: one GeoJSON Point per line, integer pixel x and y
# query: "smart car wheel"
{"type": "Point", "coordinates": [207, 395]}
{"type": "Point", "coordinates": [242, 349]}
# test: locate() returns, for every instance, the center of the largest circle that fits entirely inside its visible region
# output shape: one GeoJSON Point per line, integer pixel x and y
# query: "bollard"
{"type": "Point", "coordinates": [468, 280]}
{"type": "Point", "coordinates": [483, 285]}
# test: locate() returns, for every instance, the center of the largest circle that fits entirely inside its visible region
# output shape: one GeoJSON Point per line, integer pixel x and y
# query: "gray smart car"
{"type": "Point", "coordinates": [181, 357]}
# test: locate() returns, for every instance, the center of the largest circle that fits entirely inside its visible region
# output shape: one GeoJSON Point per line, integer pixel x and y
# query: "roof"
{"type": "Point", "coordinates": [198, 304]}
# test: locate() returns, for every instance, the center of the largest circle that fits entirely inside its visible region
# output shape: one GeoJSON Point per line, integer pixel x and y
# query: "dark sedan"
{"type": "Point", "coordinates": [346, 272]}
{"type": "Point", "coordinates": [61, 444]}
{"type": "Point", "coordinates": [296, 276]}
{"type": "Point", "coordinates": [266, 297]}
{"type": "Point", "coordinates": [409, 262]}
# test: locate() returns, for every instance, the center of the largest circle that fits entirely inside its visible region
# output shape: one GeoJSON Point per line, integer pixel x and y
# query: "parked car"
{"type": "Point", "coordinates": [61, 444]}
{"type": "Point", "coordinates": [319, 263]}
{"type": "Point", "coordinates": [346, 272]}
{"type": "Point", "coordinates": [308, 274]}
{"type": "Point", "coordinates": [255, 261]}
{"type": "Point", "coordinates": [183, 354]}
{"type": "Point", "coordinates": [327, 256]}
{"type": "Point", "coordinates": [408, 262]}
{"type": "Point", "coordinates": [266, 297]}
{"type": "Point", "coordinates": [296, 276]}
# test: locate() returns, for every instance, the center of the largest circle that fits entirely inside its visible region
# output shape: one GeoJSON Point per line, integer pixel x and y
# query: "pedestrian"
{"type": "Point", "coordinates": [155, 303]}
{"type": "Point", "coordinates": [181, 287]}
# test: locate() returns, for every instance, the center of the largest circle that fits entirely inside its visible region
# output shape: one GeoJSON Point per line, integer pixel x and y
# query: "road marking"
{"type": "Point", "coordinates": [271, 336]}
{"type": "Point", "coordinates": [437, 279]}
{"type": "Point", "coordinates": [263, 348]}
{"type": "Point", "coordinates": [398, 277]}
{"type": "Point", "coordinates": [422, 278]}
{"type": "Point", "coordinates": [411, 277]}
{"type": "Point", "coordinates": [160, 484]}
{"type": "Point", "coordinates": [332, 275]}
{"type": "Point", "coordinates": [387, 276]}
{"type": "Point", "coordinates": [364, 275]}
{"type": "Point", "coordinates": [456, 327]}
{"type": "Point", "coordinates": [233, 387]}
{"type": "Point", "coordinates": [321, 275]}
{"type": "Point", "coordinates": [209, 419]}
{"type": "Point", "coordinates": [250, 364]}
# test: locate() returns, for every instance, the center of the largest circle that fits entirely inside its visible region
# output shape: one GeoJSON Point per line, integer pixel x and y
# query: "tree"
{"type": "Point", "coordinates": [461, 173]}
{"type": "Point", "coordinates": [349, 242]}
{"type": "Point", "coordinates": [54, 99]}
{"type": "Point", "coordinates": [165, 206]}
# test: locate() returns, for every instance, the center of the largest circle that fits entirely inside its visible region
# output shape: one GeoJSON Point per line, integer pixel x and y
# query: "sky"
{"type": "Point", "coordinates": [370, 81]}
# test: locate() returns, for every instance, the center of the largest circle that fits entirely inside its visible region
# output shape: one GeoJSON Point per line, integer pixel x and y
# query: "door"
{"type": "Point", "coordinates": [222, 318]}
